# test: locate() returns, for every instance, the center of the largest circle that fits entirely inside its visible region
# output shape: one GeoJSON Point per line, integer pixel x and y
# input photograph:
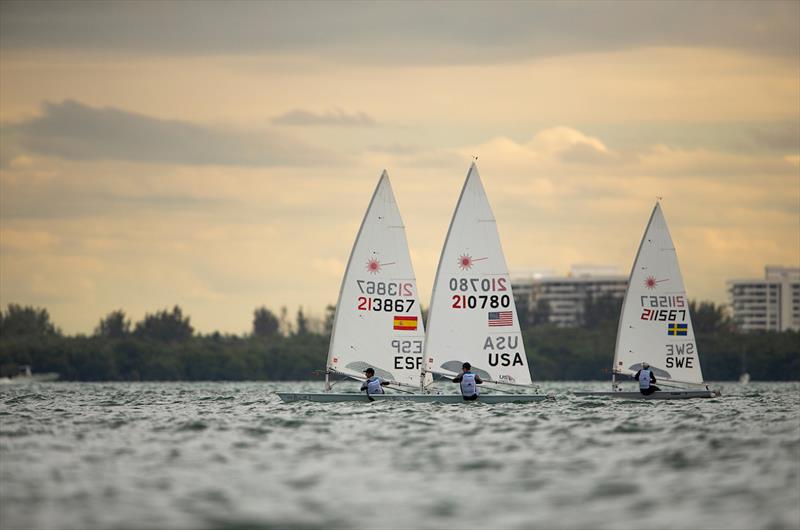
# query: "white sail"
{"type": "Point", "coordinates": [655, 325]}
{"type": "Point", "coordinates": [378, 321]}
{"type": "Point", "coordinates": [472, 316]}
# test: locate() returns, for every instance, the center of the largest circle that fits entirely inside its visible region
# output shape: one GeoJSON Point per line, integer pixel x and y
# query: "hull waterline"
{"type": "Point", "coordinates": [662, 394]}
{"type": "Point", "coordinates": [330, 397]}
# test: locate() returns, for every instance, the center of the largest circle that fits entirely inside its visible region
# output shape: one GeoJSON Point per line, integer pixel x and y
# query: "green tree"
{"type": "Point", "coordinates": [113, 326]}
{"type": "Point", "coordinates": [265, 323]}
{"type": "Point", "coordinates": [285, 325]}
{"type": "Point", "coordinates": [577, 353]}
{"type": "Point", "coordinates": [301, 326]}
{"type": "Point", "coordinates": [541, 315]}
{"type": "Point", "coordinates": [26, 321]}
{"type": "Point", "coordinates": [165, 326]}
{"type": "Point", "coordinates": [330, 315]}
{"type": "Point", "coordinates": [602, 311]}
{"type": "Point", "coordinates": [708, 317]}
{"type": "Point", "coordinates": [523, 311]}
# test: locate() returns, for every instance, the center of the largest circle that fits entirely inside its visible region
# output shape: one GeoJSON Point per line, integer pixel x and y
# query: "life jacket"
{"type": "Point", "coordinates": [468, 385]}
{"type": "Point", "coordinates": [644, 379]}
{"type": "Point", "coordinates": [374, 385]}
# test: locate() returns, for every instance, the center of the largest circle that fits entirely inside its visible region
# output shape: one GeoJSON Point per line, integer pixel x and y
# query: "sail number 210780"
{"type": "Point", "coordinates": [478, 285]}
{"type": "Point", "coordinates": [463, 301]}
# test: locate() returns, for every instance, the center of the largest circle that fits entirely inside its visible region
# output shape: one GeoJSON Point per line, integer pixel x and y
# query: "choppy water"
{"type": "Point", "coordinates": [231, 455]}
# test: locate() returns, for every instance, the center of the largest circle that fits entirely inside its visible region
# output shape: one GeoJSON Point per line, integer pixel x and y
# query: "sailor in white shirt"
{"type": "Point", "coordinates": [647, 380]}
{"type": "Point", "coordinates": [373, 385]}
{"type": "Point", "coordinates": [469, 382]}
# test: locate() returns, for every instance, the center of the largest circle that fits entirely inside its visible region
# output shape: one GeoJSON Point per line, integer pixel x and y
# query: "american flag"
{"type": "Point", "coordinates": [501, 318]}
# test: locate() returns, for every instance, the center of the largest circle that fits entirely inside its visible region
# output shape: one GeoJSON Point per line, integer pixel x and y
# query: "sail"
{"type": "Point", "coordinates": [378, 321]}
{"type": "Point", "coordinates": [655, 325]}
{"type": "Point", "coordinates": [472, 316]}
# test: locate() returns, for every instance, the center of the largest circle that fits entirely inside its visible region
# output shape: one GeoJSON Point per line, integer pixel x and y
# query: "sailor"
{"type": "Point", "coordinates": [647, 380]}
{"type": "Point", "coordinates": [373, 384]}
{"type": "Point", "coordinates": [469, 382]}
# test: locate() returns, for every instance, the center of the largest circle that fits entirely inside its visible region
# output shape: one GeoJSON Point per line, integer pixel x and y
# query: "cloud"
{"type": "Point", "coordinates": [569, 152]}
{"type": "Point", "coordinates": [570, 145]}
{"type": "Point", "coordinates": [101, 235]}
{"type": "Point", "coordinates": [74, 131]}
{"type": "Point", "coordinates": [336, 118]}
{"type": "Point", "coordinates": [583, 153]}
{"type": "Point", "coordinates": [466, 32]}
{"type": "Point", "coordinates": [777, 136]}
{"type": "Point", "coordinates": [27, 203]}
{"type": "Point", "coordinates": [552, 147]}
{"type": "Point", "coordinates": [394, 149]}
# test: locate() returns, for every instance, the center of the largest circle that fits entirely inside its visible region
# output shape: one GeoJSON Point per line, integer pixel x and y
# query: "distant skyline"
{"type": "Point", "coordinates": [220, 156]}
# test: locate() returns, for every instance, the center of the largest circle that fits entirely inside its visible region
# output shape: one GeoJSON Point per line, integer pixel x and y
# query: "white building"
{"type": "Point", "coordinates": [771, 304]}
{"type": "Point", "coordinates": [566, 296]}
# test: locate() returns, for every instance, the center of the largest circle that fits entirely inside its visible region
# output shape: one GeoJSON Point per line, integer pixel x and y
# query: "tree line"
{"type": "Point", "coordinates": [164, 346]}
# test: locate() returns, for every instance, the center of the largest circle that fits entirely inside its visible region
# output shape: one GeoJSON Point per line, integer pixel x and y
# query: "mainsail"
{"type": "Point", "coordinates": [655, 325]}
{"type": "Point", "coordinates": [472, 315]}
{"type": "Point", "coordinates": [378, 321]}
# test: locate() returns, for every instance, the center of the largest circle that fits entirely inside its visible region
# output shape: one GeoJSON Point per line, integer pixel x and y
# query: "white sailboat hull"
{"type": "Point", "coordinates": [25, 379]}
{"type": "Point", "coordinates": [330, 397]}
{"type": "Point", "coordinates": [662, 394]}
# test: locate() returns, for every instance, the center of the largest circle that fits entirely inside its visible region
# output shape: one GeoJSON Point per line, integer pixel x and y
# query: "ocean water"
{"type": "Point", "coordinates": [231, 455]}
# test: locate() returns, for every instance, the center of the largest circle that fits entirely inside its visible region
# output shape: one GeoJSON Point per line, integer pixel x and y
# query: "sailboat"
{"type": "Point", "coordinates": [655, 325]}
{"type": "Point", "coordinates": [378, 321]}
{"type": "Point", "coordinates": [472, 316]}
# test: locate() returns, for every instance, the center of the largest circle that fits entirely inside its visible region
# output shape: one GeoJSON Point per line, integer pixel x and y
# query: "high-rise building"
{"type": "Point", "coordinates": [561, 300]}
{"type": "Point", "coordinates": [771, 304]}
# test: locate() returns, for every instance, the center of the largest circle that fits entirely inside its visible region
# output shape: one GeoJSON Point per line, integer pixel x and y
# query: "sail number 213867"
{"type": "Point", "coordinates": [386, 288]}
{"type": "Point", "coordinates": [398, 305]}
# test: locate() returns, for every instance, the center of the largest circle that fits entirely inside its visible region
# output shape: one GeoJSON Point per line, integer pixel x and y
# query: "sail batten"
{"type": "Point", "coordinates": [472, 315]}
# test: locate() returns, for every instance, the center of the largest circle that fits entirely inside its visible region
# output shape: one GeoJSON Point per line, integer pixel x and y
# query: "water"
{"type": "Point", "coordinates": [231, 455]}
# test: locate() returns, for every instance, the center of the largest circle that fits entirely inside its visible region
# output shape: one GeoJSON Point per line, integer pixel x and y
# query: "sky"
{"type": "Point", "coordinates": [220, 156]}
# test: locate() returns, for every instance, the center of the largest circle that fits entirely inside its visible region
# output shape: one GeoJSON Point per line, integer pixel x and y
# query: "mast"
{"type": "Point", "coordinates": [621, 323]}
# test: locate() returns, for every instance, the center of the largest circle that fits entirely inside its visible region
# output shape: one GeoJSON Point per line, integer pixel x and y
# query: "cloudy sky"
{"type": "Point", "coordinates": [220, 156]}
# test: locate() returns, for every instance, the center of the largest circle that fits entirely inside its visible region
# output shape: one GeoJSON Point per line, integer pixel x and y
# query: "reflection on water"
{"type": "Point", "coordinates": [231, 455]}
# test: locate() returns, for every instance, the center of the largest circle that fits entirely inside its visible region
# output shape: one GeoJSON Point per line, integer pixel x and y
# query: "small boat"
{"type": "Point", "coordinates": [473, 317]}
{"type": "Point", "coordinates": [655, 325]}
{"type": "Point", "coordinates": [26, 375]}
{"type": "Point", "coordinates": [378, 321]}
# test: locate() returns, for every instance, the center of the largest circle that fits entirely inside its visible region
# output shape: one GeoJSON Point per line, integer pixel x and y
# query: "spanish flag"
{"type": "Point", "coordinates": [405, 323]}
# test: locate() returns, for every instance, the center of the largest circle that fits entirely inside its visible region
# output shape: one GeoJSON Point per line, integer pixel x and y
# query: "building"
{"type": "Point", "coordinates": [561, 300]}
{"type": "Point", "coordinates": [771, 304]}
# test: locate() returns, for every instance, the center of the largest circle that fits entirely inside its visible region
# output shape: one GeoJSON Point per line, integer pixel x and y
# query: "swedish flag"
{"type": "Point", "coordinates": [680, 330]}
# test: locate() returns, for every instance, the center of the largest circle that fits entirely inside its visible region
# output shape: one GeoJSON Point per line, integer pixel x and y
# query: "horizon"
{"type": "Point", "coordinates": [221, 158]}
